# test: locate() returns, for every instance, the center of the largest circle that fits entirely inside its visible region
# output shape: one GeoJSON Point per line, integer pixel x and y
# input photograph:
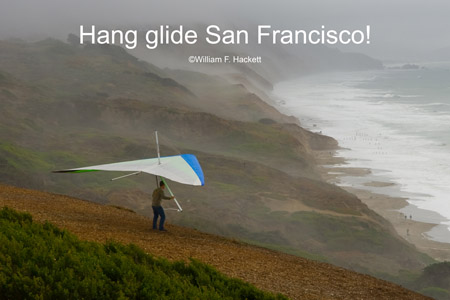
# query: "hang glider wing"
{"type": "Point", "coordinates": [183, 168]}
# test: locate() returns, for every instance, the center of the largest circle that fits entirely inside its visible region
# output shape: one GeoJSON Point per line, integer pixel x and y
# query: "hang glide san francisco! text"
{"type": "Point", "coordinates": [167, 35]}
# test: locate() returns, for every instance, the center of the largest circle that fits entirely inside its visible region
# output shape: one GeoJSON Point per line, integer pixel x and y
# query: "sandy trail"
{"type": "Point", "coordinates": [293, 276]}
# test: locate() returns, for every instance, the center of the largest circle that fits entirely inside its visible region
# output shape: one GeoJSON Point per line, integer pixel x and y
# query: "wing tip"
{"type": "Point", "coordinates": [193, 162]}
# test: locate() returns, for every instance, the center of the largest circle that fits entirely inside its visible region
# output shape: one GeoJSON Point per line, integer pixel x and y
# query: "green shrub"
{"type": "Point", "coordinates": [437, 274]}
{"type": "Point", "coordinates": [436, 293]}
{"type": "Point", "coordinates": [40, 261]}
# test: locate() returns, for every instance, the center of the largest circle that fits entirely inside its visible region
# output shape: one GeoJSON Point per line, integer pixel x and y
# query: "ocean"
{"type": "Point", "coordinates": [395, 122]}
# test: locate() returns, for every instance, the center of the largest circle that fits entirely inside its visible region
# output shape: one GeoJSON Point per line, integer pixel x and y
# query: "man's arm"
{"type": "Point", "coordinates": [163, 196]}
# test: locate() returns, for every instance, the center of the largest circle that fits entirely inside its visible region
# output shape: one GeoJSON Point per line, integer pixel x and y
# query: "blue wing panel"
{"type": "Point", "coordinates": [195, 165]}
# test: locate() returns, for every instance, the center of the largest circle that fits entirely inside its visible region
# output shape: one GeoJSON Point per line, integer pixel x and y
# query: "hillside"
{"type": "Point", "coordinates": [42, 261]}
{"type": "Point", "coordinates": [67, 106]}
{"type": "Point", "coordinates": [295, 277]}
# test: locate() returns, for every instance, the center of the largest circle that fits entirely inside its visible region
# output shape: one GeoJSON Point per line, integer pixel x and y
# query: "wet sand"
{"type": "Point", "coordinates": [406, 225]}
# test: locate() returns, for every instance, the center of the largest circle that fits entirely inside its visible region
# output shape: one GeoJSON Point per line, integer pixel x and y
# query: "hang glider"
{"type": "Point", "coordinates": [183, 168]}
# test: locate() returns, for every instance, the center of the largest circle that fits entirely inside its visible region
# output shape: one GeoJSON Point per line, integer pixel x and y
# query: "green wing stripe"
{"type": "Point", "coordinates": [75, 171]}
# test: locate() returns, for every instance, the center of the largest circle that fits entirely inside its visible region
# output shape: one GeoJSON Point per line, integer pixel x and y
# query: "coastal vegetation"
{"type": "Point", "coordinates": [41, 261]}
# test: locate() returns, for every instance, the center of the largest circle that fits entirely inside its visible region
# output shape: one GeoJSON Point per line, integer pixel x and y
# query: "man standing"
{"type": "Point", "coordinates": [157, 196]}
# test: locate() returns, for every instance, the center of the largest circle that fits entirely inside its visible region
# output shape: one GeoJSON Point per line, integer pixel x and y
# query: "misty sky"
{"type": "Point", "coordinates": [400, 28]}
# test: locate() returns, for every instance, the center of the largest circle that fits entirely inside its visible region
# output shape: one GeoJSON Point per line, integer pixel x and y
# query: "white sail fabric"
{"type": "Point", "coordinates": [183, 168]}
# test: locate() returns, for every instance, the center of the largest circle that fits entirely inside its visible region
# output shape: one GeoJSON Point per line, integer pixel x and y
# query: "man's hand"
{"type": "Point", "coordinates": [173, 197]}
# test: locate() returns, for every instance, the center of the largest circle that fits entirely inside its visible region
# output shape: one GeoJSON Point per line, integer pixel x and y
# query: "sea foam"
{"type": "Point", "coordinates": [397, 123]}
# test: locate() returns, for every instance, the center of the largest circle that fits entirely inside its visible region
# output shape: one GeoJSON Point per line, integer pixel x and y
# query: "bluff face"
{"type": "Point", "coordinates": [68, 106]}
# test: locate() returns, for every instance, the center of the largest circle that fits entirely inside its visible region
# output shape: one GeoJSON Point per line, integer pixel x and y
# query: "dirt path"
{"type": "Point", "coordinates": [293, 276]}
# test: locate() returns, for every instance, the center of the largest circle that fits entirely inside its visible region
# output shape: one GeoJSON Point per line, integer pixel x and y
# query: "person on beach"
{"type": "Point", "coordinates": [158, 211]}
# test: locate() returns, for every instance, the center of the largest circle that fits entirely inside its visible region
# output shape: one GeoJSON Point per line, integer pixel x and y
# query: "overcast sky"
{"type": "Point", "coordinates": [400, 28]}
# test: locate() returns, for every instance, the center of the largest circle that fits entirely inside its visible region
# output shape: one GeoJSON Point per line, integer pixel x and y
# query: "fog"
{"type": "Point", "coordinates": [402, 29]}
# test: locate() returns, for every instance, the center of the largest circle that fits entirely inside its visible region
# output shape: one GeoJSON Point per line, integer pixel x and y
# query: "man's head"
{"type": "Point", "coordinates": [161, 184]}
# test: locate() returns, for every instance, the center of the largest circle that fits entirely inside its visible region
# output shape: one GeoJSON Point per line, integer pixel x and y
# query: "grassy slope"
{"type": "Point", "coordinates": [69, 107]}
{"type": "Point", "coordinates": [44, 261]}
{"type": "Point", "coordinates": [272, 271]}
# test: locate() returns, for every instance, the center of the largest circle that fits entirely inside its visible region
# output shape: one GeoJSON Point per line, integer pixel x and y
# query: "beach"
{"type": "Point", "coordinates": [410, 229]}
{"type": "Point", "coordinates": [394, 144]}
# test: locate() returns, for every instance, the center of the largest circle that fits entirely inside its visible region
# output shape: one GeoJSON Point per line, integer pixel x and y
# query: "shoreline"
{"type": "Point", "coordinates": [380, 195]}
{"type": "Point", "coordinates": [397, 210]}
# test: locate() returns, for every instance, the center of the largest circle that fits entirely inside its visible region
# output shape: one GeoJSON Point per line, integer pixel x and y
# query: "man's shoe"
{"type": "Point", "coordinates": [163, 230]}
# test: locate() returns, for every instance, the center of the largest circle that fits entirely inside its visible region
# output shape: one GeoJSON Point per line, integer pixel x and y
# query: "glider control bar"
{"type": "Point", "coordinates": [171, 194]}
